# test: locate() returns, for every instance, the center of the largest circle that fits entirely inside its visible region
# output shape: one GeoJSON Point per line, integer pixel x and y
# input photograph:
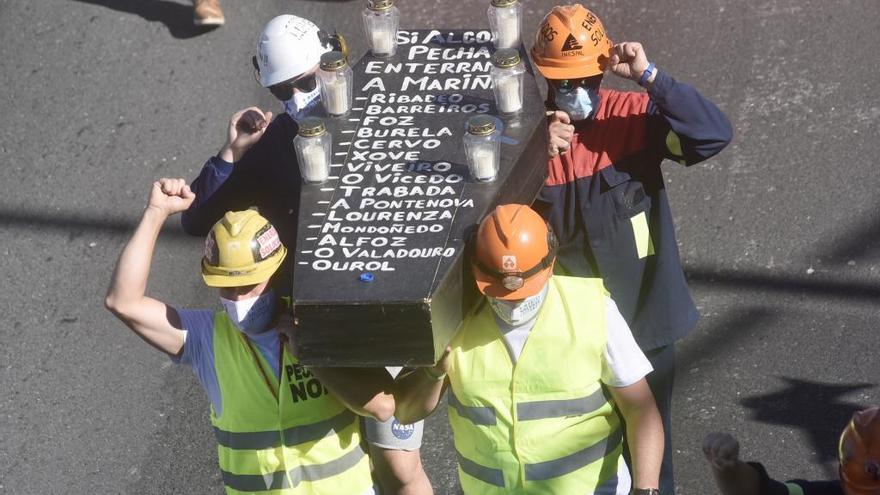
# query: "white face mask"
{"type": "Point", "coordinates": [253, 315]}
{"type": "Point", "coordinates": [578, 104]}
{"type": "Point", "coordinates": [516, 313]}
{"type": "Point", "coordinates": [300, 105]}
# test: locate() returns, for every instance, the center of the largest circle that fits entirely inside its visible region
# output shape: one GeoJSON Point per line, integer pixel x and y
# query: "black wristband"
{"type": "Point", "coordinates": [645, 491]}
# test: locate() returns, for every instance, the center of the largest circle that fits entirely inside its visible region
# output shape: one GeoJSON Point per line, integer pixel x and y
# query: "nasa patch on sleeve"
{"type": "Point", "coordinates": [401, 431]}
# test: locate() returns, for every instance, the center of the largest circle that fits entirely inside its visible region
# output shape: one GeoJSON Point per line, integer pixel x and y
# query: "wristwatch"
{"type": "Point", "coordinates": [645, 491]}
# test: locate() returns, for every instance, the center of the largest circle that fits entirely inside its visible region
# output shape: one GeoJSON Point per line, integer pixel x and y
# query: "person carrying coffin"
{"type": "Point", "coordinates": [605, 196]}
{"type": "Point", "coordinates": [536, 373]}
{"type": "Point", "coordinates": [280, 427]}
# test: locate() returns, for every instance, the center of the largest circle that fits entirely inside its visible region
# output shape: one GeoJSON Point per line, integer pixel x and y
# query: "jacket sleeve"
{"type": "Point", "coordinates": [770, 486]}
{"type": "Point", "coordinates": [694, 128]}
{"type": "Point", "coordinates": [222, 187]}
{"type": "Point", "coordinates": [214, 173]}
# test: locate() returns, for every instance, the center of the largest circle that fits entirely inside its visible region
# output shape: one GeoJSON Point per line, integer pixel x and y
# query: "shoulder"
{"type": "Point", "coordinates": [622, 103]}
{"type": "Point", "coordinates": [282, 124]}
{"type": "Point", "coordinates": [198, 342]}
{"type": "Point", "coordinates": [196, 321]}
{"type": "Point", "coordinates": [613, 316]}
{"type": "Point", "coordinates": [562, 283]}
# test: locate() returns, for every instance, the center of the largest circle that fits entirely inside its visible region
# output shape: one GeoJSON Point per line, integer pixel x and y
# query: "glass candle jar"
{"type": "Point", "coordinates": [336, 83]}
{"type": "Point", "coordinates": [505, 19]}
{"type": "Point", "coordinates": [312, 144]}
{"type": "Point", "coordinates": [482, 147]}
{"type": "Point", "coordinates": [507, 80]}
{"type": "Point", "coordinates": [381, 19]}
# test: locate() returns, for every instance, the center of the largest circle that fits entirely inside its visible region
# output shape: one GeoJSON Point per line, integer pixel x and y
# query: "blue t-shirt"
{"type": "Point", "coordinates": [198, 350]}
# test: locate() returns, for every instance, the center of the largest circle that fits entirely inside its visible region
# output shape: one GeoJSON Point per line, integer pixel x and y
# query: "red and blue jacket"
{"type": "Point", "coordinates": [605, 199]}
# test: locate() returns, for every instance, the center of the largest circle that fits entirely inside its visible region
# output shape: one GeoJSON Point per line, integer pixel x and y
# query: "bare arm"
{"type": "Point", "coordinates": [732, 476]}
{"type": "Point", "coordinates": [644, 431]}
{"type": "Point", "coordinates": [152, 320]}
{"type": "Point", "coordinates": [366, 391]}
{"type": "Point", "coordinates": [419, 390]}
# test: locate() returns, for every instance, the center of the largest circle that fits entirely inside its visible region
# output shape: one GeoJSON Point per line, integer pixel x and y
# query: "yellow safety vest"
{"type": "Point", "coordinates": [544, 424]}
{"type": "Point", "coordinates": [305, 443]}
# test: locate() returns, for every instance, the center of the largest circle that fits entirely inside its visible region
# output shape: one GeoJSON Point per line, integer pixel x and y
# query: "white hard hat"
{"type": "Point", "coordinates": [288, 46]}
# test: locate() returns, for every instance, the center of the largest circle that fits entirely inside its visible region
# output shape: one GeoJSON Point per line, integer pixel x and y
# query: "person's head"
{"type": "Point", "coordinates": [513, 255]}
{"type": "Point", "coordinates": [242, 252]}
{"type": "Point", "coordinates": [572, 51]}
{"type": "Point", "coordinates": [288, 53]}
{"type": "Point", "coordinates": [860, 454]}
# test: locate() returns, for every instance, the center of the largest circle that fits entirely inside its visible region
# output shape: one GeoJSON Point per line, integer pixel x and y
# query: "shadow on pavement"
{"type": "Point", "coordinates": [816, 285]}
{"type": "Point", "coordinates": [861, 241]}
{"type": "Point", "coordinates": [77, 225]}
{"type": "Point", "coordinates": [178, 18]}
{"type": "Point", "coordinates": [814, 407]}
{"type": "Point", "coordinates": [734, 327]}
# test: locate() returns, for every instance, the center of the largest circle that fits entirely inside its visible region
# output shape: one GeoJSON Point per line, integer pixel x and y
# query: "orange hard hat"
{"type": "Point", "coordinates": [514, 253]}
{"type": "Point", "coordinates": [571, 43]}
{"type": "Point", "coordinates": [860, 454]}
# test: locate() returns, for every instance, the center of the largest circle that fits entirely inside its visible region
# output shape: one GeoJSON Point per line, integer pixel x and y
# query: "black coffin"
{"type": "Point", "coordinates": [378, 270]}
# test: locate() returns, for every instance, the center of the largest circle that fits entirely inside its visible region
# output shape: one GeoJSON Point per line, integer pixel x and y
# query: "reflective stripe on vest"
{"type": "Point", "coordinates": [564, 465]}
{"type": "Point", "coordinates": [258, 440]}
{"type": "Point", "coordinates": [300, 443]}
{"type": "Point", "coordinates": [281, 480]}
{"type": "Point", "coordinates": [526, 411]}
{"type": "Point", "coordinates": [477, 415]}
{"type": "Point", "coordinates": [544, 409]}
{"type": "Point", "coordinates": [548, 469]}
{"type": "Point", "coordinates": [485, 474]}
{"type": "Point", "coordinates": [543, 424]}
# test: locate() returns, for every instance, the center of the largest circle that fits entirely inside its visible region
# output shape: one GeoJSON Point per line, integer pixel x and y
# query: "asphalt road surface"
{"type": "Point", "coordinates": [780, 233]}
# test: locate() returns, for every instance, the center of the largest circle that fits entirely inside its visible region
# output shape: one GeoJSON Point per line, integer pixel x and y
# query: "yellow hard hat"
{"type": "Point", "coordinates": [243, 248]}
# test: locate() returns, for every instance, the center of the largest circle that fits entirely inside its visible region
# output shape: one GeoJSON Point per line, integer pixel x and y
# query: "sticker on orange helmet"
{"type": "Point", "coordinates": [508, 263]}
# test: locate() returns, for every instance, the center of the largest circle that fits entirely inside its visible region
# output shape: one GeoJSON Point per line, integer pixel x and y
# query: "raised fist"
{"type": "Point", "coordinates": [246, 127]}
{"type": "Point", "coordinates": [721, 450]}
{"type": "Point", "coordinates": [170, 196]}
{"type": "Point", "coordinates": [561, 131]}
{"type": "Point", "coordinates": [628, 60]}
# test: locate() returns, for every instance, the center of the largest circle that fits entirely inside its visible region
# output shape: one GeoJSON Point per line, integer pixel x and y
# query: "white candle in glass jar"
{"type": "Point", "coordinates": [483, 163]}
{"type": "Point", "coordinates": [314, 167]}
{"type": "Point", "coordinates": [382, 40]}
{"type": "Point", "coordinates": [508, 30]}
{"type": "Point", "coordinates": [337, 96]}
{"type": "Point", "coordinates": [509, 95]}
